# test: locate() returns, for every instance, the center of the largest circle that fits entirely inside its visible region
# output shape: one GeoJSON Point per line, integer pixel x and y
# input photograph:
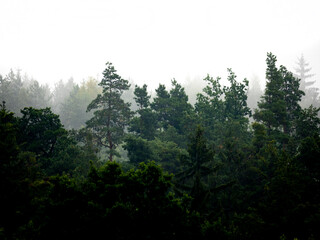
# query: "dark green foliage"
{"type": "Point", "coordinates": [39, 131]}
{"type": "Point", "coordinates": [209, 106]}
{"type": "Point", "coordinates": [8, 133]}
{"type": "Point", "coordinates": [167, 154]}
{"type": "Point", "coordinates": [260, 136]}
{"type": "Point", "coordinates": [137, 204]}
{"type": "Point", "coordinates": [17, 171]}
{"type": "Point", "coordinates": [70, 158]}
{"type": "Point", "coordinates": [180, 110]}
{"type": "Point", "coordinates": [279, 107]}
{"type": "Point", "coordinates": [236, 99]}
{"type": "Point", "coordinates": [217, 113]}
{"type": "Point", "coordinates": [141, 97]}
{"type": "Point", "coordinates": [308, 123]}
{"type": "Point", "coordinates": [138, 149]}
{"type": "Point", "coordinates": [231, 180]}
{"type": "Point", "coordinates": [160, 105]}
{"type": "Point", "coordinates": [145, 124]}
{"type": "Point", "coordinates": [198, 166]}
{"type": "Point", "coordinates": [309, 156]}
{"type": "Point", "coordinates": [58, 207]}
{"type": "Point", "coordinates": [173, 109]}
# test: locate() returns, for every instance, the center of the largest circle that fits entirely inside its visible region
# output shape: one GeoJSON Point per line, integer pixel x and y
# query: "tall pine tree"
{"type": "Point", "coordinates": [112, 114]}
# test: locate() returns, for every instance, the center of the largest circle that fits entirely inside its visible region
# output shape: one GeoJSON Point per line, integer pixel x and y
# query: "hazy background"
{"type": "Point", "coordinates": [155, 41]}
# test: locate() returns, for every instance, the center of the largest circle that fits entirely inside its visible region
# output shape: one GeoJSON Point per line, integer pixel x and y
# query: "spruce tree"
{"type": "Point", "coordinates": [303, 73]}
{"type": "Point", "coordinates": [306, 85]}
{"type": "Point", "coordinates": [145, 123]}
{"type": "Point", "coordinates": [279, 106]}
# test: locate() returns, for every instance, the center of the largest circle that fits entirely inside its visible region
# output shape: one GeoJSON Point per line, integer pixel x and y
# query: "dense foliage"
{"type": "Point", "coordinates": [167, 169]}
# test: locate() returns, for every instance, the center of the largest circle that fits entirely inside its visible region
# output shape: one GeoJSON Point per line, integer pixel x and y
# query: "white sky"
{"type": "Point", "coordinates": [155, 41]}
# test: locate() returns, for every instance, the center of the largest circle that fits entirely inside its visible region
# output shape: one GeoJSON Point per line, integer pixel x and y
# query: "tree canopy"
{"type": "Point", "coordinates": [91, 167]}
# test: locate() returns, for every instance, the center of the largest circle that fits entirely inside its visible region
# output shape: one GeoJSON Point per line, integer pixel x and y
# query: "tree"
{"type": "Point", "coordinates": [180, 111]}
{"type": "Point", "coordinates": [19, 92]}
{"type": "Point", "coordinates": [234, 130]}
{"type": "Point", "coordinates": [279, 106]}
{"type": "Point", "coordinates": [39, 95]}
{"type": "Point", "coordinates": [141, 96]}
{"type": "Point", "coordinates": [173, 110]}
{"type": "Point", "coordinates": [61, 92]}
{"type": "Point", "coordinates": [145, 125]}
{"type": "Point", "coordinates": [39, 131]}
{"type": "Point", "coordinates": [136, 204]}
{"type": "Point", "coordinates": [272, 107]}
{"type": "Point", "coordinates": [73, 112]}
{"type": "Point", "coordinates": [112, 114]}
{"type": "Point", "coordinates": [236, 99]}
{"type": "Point", "coordinates": [303, 73]}
{"type": "Point", "coordinates": [223, 108]}
{"type": "Point", "coordinates": [198, 165]}
{"type": "Point", "coordinates": [13, 92]}
{"type": "Point", "coordinates": [138, 149]}
{"type": "Point", "coordinates": [308, 123]}
{"type": "Point", "coordinates": [210, 106]}
{"type": "Point", "coordinates": [18, 171]}
{"type": "Point", "coordinates": [292, 98]}
{"type": "Point", "coordinates": [167, 154]}
{"type": "Point", "coordinates": [161, 105]}
{"type": "Point", "coordinates": [312, 93]}
{"type": "Point", "coordinates": [8, 134]}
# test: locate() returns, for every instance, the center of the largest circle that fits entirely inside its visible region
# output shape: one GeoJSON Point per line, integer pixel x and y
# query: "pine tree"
{"type": "Point", "coordinates": [112, 113]}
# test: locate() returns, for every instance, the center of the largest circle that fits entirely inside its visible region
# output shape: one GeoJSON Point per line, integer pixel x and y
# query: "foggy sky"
{"type": "Point", "coordinates": [155, 41]}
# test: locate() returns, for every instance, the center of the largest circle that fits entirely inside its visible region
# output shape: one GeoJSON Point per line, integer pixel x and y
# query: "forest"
{"type": "Point", "coordinates": [111, 159]}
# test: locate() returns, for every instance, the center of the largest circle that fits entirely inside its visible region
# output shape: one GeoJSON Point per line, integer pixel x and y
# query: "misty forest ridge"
{"type": "Point", "coordinates": [212, 159]}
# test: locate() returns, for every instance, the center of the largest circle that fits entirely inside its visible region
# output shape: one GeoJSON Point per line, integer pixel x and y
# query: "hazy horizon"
{"type": "Point", "coordinates": [154, 42]}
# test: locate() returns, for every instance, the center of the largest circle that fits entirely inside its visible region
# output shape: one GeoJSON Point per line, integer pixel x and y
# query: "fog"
{"type": "Point", "coordinates": [155, 42]}
{"type": "Point", "coordinates": [204, 125]}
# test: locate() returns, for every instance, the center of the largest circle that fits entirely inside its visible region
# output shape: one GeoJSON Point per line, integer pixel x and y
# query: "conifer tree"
{"type": "Point", "coordinates": [279, 106]}
{"type": "Point", "coordinates": [306, 85]}
{"type": "Point", "coordinates": [303, 73]}
{"type": "Point", "coordinates": [145, 124]}
{"type": "Point", "coordinates": [112, 114]}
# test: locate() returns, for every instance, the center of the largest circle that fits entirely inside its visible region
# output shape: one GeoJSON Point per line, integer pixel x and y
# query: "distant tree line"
{"type": "Point", "coordinates": [110, 160]}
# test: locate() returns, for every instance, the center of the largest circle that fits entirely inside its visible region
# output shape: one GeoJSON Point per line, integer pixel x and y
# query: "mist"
{"type": "Point", "coordinates": [153, 43]}
{"type": "Point", "coordinates": [159, 120]}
